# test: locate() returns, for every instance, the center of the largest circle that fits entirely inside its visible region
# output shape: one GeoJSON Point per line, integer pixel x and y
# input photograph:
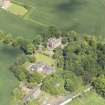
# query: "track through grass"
{"type": "Point", "coordinates": [90, 98]}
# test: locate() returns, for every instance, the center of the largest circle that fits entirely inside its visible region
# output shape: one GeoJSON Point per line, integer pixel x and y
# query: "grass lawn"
{"type": "Point", "coordinates": [84, 16]}
{"type": "Point", "coordinates": [46, 59]}
{"type": "Point", "coordinates": [18, 26]}
{"type": "Point", "coordinates": [7, 80]}
{"type": "Point", "coordinates": [90, 98]}
{"type": "Point", "coordinates": [17, 9]}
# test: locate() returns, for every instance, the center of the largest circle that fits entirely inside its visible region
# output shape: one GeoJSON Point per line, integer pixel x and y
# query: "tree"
{"type": "Point", "coordinates": [58, 55]}
{"type": "Point", "coordinates": [52, 31]}
{"type": "Point", "coordinates": [101, 60]}
{"type": "Point", "coordinates": [72, 82]}
{"type": "Point", "coordinates": [26, 46]}
{"type": "Point", "coordinates": [21, 60]}
{"type": "Point", "coordinates": [99, 85]}
{"type": "Point", "coordinates": [2, 36]}
{"type": "Point", "coordinates": [84, 56]}
{"type": "Point", "coordinates": [7, 39]}
{"type": "Point", "coordinates": [89, 65]}
{"type": "Point", "coordinates": [30, 48]}
{"type": "Point", "coordinates": [31, 58]}
{"type": "Point", "coordinates": [53, 84]}
{"type": "Point", "coordinates": [35, 77]}
{"type": "Point", "coordinates": [20, 72]}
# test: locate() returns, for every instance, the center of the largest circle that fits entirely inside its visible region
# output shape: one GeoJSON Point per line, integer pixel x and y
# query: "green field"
{"type": "Point", "coordinates": [7, 80]}
{"type": "Point", "coordinates": [85, 16]}
{"type": "Point", "coordinates": [17, 9]}
{"type": "Point", "coordinates": [89, 99]}
{"type": "Point", "coordinates": [45, 59]}
{"type": "Point", "coordinates": [18, 26]}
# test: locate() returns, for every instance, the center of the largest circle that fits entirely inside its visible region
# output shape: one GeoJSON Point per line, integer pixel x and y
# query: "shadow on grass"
{"type": "Point", "coordinates": [8, 51]}
{"type": "Point", "coordinates": [71, 5]}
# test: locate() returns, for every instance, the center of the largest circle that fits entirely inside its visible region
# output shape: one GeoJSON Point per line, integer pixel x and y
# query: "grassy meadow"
{"type": "Point", "coordinates": [89, 99]}
{"type": "Point", "coordinates": [7, 79]}
{"type": "Point", "coordinates": [85, 16]}
{"type": "Point", "coordinates": [18, 26]}
{"type": "Point", "coordinates": [44, 58]}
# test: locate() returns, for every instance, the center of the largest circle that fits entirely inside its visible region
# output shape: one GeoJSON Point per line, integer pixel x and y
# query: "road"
{"type": "Point", "coordinates": [75, 96]}
{"type": "Point", "coordinates": [65, 102]}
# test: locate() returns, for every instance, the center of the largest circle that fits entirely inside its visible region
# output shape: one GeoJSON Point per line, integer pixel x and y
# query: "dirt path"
{"type": "Point", "coordinates": [75, 96]}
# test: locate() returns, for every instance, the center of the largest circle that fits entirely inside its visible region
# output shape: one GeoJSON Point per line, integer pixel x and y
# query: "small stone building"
{"type": "Point", "coordinates": [41, 68]}
{"type": "Point", "coordinates": [54, 43]}
{"type": "Point", "coordinates": [24, 87]}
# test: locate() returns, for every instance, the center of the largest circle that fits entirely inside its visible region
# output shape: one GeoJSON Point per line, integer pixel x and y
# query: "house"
{"type": "Point", "coordinates": [54, 43]}
{"type": "Point", "coordinates": [5, 3]}
{"type": "Point", "coordinates": [33, 94]}
{"type": "Point", "coordinates": [41, 68]}
{"type": "Point", "coordinates": [24, 88]}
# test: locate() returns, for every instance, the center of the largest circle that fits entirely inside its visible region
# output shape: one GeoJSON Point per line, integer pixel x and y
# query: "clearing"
{"type": "Point", "coordinates": [46, 59]}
